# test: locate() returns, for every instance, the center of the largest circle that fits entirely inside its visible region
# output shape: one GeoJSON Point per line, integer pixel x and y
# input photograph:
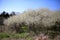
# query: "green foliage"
{"type": "Point", "coordinates": [30, 38]}
{"type": "Point", "coordinates": [21, 35]}
{"type": "Point", "coordinates": [4, 35]}
{"type": "Point", "coordinates": [52, 34]}
{"type": "Point", "coordinates": [25, 28]}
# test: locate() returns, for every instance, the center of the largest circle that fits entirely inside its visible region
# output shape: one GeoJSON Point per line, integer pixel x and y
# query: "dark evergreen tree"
{"type": "Point", "coordinates": [3, 14]}
{"type": "Point", "coordinates": [13, 13]}
{"type": "Point", "coordinates": [6, 15]}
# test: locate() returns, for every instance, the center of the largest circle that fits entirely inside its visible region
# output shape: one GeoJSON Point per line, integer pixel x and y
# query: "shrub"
{"type": "Point", "coordinates": [21, 35]}
{"type": "Point", "coordinates": [34, 19]}
{"type": "Point", "coordinates": [4, 35]}
{"type": "Point", "coordinates": [52, 35]}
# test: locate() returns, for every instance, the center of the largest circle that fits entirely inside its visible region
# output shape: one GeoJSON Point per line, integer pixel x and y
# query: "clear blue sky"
{"type": "Point", "coordinates": [21, 5]}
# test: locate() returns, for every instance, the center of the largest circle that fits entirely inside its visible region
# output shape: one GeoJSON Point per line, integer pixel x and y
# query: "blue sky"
{"type": "Point", "coordinates": [21, 5]}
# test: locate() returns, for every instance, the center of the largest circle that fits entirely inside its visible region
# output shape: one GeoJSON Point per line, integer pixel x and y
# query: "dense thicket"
{"type": "Point", "coordinates": [39, 20]}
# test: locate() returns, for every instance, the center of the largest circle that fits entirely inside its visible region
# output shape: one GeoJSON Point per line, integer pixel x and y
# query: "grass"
{"type": "Point", "coordinates": [22, 35]}
{"type": "Point", "coordinates": [4, 35]}
{"type": "Point", "coordinates": [25, 35]}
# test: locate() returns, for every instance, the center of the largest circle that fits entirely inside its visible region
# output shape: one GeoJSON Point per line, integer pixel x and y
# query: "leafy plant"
{"type": "Point", "coordinates": [4, 35]}
{"type": "Point", "coordinates": [21, 35]}
{"type": "Point", "coordinates": [52, 35]}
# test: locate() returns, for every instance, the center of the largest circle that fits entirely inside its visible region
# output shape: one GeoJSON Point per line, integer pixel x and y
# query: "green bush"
{"type": "Point", "coordinates": [25, 28]}
{"type": "Point", "coordinates": [30, 38]}
{"type": "Point", "coordinates": [52, 35]}
{"type": "Point", "coordinates": [21, 35]}
{"type": "Point", "coordinates": [4, 35]}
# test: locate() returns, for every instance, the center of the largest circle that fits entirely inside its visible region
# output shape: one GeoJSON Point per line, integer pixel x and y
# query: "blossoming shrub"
{"type": "Point", "coordinates": [35, 20]}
